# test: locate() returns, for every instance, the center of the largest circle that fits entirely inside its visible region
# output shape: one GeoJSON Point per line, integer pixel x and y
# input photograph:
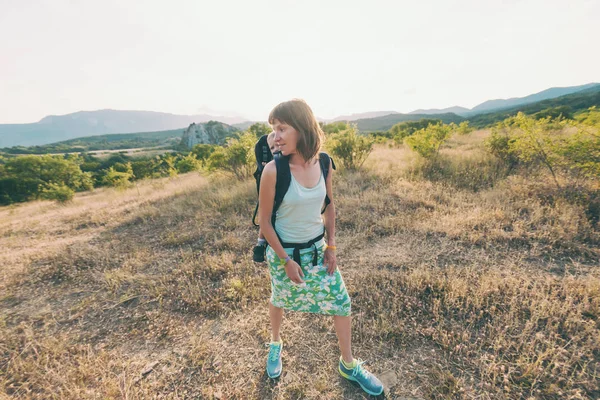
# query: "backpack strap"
{"type": "Point", "coordinates": [324, 161]}
{"type": "Point", "coordinates": [262, 154]}
{"type": "Point", "coordinates": [284, 178]}
{"type": "Point", "coordinates": [254, 216]}
{"type": "Point", "coordinates": [261, 151]}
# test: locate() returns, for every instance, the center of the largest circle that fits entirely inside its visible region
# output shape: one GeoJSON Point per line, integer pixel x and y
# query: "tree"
{"type": "Point", "coordinates": [24, 176]}
{"type": "Point", "coordinates": [335, 127]}
{"type": "Point", "coordinates": [259, 129]}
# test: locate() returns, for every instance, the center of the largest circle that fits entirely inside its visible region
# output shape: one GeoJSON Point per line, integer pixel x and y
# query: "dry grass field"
{"type": "Point", "coordinates": [460, 290]}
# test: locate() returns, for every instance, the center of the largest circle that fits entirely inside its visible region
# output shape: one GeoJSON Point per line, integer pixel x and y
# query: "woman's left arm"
{"type": "Point", "coordinates": [329, 258]}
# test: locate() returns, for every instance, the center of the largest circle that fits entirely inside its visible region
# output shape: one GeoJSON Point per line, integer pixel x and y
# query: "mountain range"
{"type": "Point", "coordinates": [56, 128]}
{"type": "Point", "coordinates": [500, 104]}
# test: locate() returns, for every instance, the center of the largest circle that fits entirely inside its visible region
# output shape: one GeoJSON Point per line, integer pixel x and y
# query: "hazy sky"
{"type": "Point", "coordinates": [244, 57]}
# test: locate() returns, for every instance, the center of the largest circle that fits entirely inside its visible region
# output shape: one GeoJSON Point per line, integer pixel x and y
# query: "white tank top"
{"type": "Point", "coordinates": [298, 218]}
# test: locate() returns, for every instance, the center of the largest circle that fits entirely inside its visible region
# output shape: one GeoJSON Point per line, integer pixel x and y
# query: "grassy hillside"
{"type": "Point", "coordinates": [570, 104]}
{"type": "Point", "coordinates": [551, 93]}
{"type": "Point", "coordinates": [114, 141]}
{"type": "Point", "coordinates": [386, 122]}
{"type": "Point", "coordinates": [151, 292]}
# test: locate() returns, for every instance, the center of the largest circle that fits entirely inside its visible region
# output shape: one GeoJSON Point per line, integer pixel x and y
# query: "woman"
{"type": "Point", "coordinates": [307, 286]}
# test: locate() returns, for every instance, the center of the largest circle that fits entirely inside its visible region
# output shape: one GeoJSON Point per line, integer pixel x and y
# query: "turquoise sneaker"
{"type": "Point", "coordinates": [367, 381]}
{"type": "Point", "coordinates": [274, 365]}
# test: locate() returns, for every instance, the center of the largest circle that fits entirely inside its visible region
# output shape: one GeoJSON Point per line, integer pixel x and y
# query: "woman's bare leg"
{"type": "Point", "coordinates": [276, 315]}
{"type": "Point", "coordinates": [343, 328]}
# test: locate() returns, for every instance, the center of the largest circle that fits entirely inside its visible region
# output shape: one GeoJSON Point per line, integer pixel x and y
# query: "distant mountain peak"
{"type": "Point", "coordinates": [56, 128]}
{"type": "Point", "coordinates": [498, 104]}
{"type": "Point", "coordinates": [551, 93]}
{"type": "Point", "coordinates": [456, 110]}
{"type": "Point", "coordinates": [356, 116]}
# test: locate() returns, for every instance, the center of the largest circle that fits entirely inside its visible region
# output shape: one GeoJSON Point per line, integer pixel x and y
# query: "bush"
{"type": "Point", "coordinates": [203, 151]}
{"type": "Point", "coordinates": [163, 166]}
{"type": "Point", "coordinates": [476, 172]}
{"type": "Point", "coordinates": [405, 129]}
{"type": "Point", "coordinates": [427, 141]}
{"type": "Point", "coordinates": [141, 169]}
{"type": "Point", "coordinates": [15, 189]}
{"type": "Point", "coordinates": [236, 158]}
{"type": "Point", "coordinates": [590, 117]}
{"type": "Point", "coordinates": [23, 177]}
{"type": "Point", "coordinates": [564, 148]}
{"type": "Point", "coordinates": [498, 144]}
{"type": "Point", "coordinates": [335, 127]}
{"type": "Point", "coordinates": [56, 191]}
{"type": "Point", "coordinates": [349, 147]}
{"type": "Point", "coordinates": [463, 128]}
{"type": "Point", "coordinates": [188, 164]}
{"type": "Point", "coordinates": [119, 179]}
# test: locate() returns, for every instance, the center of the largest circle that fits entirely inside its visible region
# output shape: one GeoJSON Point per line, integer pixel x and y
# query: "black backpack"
{"type": "Point", "coordinates": [263, 154]}
{"type": "Point", "coordinates": [284, 178]}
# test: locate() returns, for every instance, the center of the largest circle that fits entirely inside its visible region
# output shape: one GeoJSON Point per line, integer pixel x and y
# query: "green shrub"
{"type": "Point", "coordinates": [164, 166]}
{"type": "Point", "coordinates": [23, 177]}
{"type": "Point", "coordinates": [335, 127]}
{"type": "Point", "coordinates": [203, 151]}
{"type": "Point", "coordinates": [499, 145]}
{"type": "Point", "coordinates": [119, 179]}
{"type": "Point", "coordinates": [404, 129]}
{"type": "Point", "coordinates": [475, 172]}
{"type": "Point", "coordinates": [141, 169]}
{"type": "Point", "coordinates": [563, 147]}
{"type": "Point", "coordinates": [590, 117]}
{"type": "Point", "coordinates": [463, 128]}
{"type": "Point", "coordinates": [236, 158]}
{"type": "Point", "coordinates": [351, 148]}
{"type": "Point", "coordinates": [14, 189]}
{"type": "Point", "coordinates": [56, 191]}
{"type": "Point", "coordinates": [188, 163]}
{"type": "Point", "coordinates": [427, 141]}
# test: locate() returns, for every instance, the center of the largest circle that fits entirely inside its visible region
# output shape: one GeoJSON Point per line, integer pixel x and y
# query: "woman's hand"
{"type": "Point", "coordinates": [293, 271]}
{"type": "Point", "coordinates": [330, 261]}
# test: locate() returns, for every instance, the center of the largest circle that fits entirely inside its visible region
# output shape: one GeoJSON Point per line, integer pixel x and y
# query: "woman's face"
{"type": "Point", "coordinates": [286, 137]}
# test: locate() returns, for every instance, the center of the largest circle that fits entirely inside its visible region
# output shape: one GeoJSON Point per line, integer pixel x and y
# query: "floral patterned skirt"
{"type": "Point", "coordinates": [320, 293]}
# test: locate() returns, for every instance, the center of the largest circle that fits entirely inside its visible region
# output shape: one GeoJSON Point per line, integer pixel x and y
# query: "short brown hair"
{"type": "Point", "coordinates": [299, 116]}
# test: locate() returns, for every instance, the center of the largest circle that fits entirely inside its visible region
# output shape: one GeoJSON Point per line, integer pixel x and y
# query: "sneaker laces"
{"type": "Point", "coordinates": [274, 350]}
{"type": "Point", "coordinates": [359, 370]}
